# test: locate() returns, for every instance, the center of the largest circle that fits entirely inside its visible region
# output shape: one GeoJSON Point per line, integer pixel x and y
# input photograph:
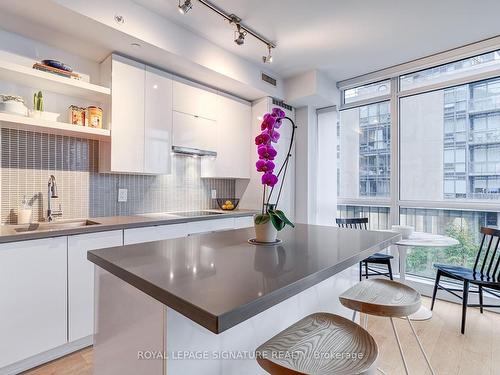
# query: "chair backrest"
{"type": "Point", "coordinates": [353, 223]}
{"type": "Point", "coordinates": [488, 256]}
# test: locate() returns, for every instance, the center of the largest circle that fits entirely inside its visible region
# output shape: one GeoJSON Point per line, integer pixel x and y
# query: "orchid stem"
{"type": "Point", "coordinates": [263, 199]}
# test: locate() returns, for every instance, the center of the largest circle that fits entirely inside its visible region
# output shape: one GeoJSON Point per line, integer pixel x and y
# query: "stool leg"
{"type": "Point", "coordinates": [389, 267]}
{"type": "Point", "coordinates": [354, 316]}
{"type": "Point", "coordinates": [399, 346]}
{"type": "Point", "coordinates": [420, 345]}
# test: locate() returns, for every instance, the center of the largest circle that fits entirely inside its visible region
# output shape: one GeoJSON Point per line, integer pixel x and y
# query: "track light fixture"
{"type": "Point", "coordinates": [241, 29]}
{"type": "Point", "coordinates": [185, 7]}
{"type": "Point", "coordinates": [269, 58]}
{"type": "Point", "coordinates": [239, 35]}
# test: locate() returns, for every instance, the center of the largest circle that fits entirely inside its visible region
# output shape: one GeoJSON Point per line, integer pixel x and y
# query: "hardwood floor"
{"type": "Point", "coordinates": [477, 352]}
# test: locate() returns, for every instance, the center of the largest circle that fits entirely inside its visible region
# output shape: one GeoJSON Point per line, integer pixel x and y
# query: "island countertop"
{"type": "Point", "coordinates": [218, 280]}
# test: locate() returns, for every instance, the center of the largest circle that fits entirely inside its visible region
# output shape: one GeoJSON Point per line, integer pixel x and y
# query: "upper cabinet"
{"type": "Point", "coordinates": [233, 140]}
{"type": "Point", "coordinates": [157, 121]}
{"type": "Point", "coordinates": [151, 111]}
{"type": "Point", "coordinates": [141, 119]}
{"type": "Point", "coordinates": [194, 100]}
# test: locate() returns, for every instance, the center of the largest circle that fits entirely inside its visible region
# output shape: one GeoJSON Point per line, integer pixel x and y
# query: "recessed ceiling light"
{"type": "Point", "coordinates": [135, 45]}
{"type": "Point", "coordinates": [185, 7]}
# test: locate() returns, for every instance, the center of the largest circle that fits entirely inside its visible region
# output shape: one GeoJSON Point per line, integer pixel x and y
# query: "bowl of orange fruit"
{"type": "Point", "coordinates": [227, 204]}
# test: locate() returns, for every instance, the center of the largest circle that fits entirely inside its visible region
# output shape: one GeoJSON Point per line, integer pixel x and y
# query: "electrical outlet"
{"type": "Point", "coordinates": [214, 194]}
{"type": "Point", "coordinates": [122, 195]}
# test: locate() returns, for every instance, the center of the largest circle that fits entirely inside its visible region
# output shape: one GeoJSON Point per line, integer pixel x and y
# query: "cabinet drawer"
{"type": "Point", "coordinates": [155, 233]}
{"type": "Point", "coordinates": [188, 98]}
{"type": "Point", "coordinates": [243, 222]}
{"type": "Point", "coordinates": [206, 226]}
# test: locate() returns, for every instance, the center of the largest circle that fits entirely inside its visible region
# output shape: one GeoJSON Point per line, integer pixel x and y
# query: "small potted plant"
{"type": "Point", "coordinates": [38, 111]}
{"type": "Point", "coordinates": [271, 220]}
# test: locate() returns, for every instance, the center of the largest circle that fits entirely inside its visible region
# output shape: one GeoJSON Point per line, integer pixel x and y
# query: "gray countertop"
{"type": "Point", "coordinates": [13, 233]}
{"type": "Point", "coordinates": [219, 280]}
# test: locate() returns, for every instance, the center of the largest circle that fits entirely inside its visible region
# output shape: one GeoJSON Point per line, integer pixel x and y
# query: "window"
{"type": "Point", "coordinates": [448, 129]}
{"type": "Point", "coordinates": [364, 151]}
{"type": "Point", "coordinates": [462, 68]}
{"type": "Point", "coordinates": [461, 225]}
{"type": "Point", "coordinates": [373, 90]}
{"type": "Point", "coordinates": [378, 217]}
{"type": "Point", "coordinates": [461, 143]}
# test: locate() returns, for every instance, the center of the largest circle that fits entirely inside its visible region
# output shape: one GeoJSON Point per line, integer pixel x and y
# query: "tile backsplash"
{"type": "Point", "coordinates": [29, 158]}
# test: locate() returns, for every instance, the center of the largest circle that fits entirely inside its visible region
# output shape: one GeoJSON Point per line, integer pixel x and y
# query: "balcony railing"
{"type": "Point", "coordinates": [488, 104]}
{"type": "Point", "coordinates": [480, 137]}
{"type": "Point", "coordinates": [483, 168]}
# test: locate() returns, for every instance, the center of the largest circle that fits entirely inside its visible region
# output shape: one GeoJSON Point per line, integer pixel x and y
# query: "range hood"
{"type": "Point", "coordinates": [193, 135]}
{"type": "Point", "coordinates": [193, 151]}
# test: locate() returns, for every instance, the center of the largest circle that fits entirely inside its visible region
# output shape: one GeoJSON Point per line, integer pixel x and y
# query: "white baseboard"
{"type": "Point", "coordinates": [47, 356]}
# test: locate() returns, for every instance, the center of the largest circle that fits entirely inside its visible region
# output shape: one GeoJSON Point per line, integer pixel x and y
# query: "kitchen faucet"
{"type": "Point", "coordinates": [52, 193]}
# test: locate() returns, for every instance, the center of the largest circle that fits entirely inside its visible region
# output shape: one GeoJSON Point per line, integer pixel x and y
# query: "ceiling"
{"type": "Point", "coordinates": [341, 38]}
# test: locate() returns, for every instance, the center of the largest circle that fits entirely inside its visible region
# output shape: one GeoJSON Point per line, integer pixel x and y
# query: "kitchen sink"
{"type": "Point", "coordinates": [58, 225]}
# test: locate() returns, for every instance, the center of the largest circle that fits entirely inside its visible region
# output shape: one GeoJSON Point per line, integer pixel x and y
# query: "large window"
{"type": "Point", "coordinates": [446, 122]}
{"type": "Point", "coordinates": [461, 225]}
{"type": "Point", "coordinates": [365, 151]}
{"type": "Point", "coordinates": [461, 139]}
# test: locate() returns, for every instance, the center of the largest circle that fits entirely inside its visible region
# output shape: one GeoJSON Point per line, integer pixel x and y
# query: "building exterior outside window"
{"type": "Point", "coordinates": [472, 141]}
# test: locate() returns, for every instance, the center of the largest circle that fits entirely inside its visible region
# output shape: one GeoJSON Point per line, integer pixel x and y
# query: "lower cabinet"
{"type": "Point", "coordinates": [212, 225]}
{"type": "Point", "coordinates": [154, 233]}
{"type": "Point", "coordinates": [32, 298]}
{"type": "Point", "coordinates": [81, 280]}
{"type": "Point", "coordinates": [243, 222]}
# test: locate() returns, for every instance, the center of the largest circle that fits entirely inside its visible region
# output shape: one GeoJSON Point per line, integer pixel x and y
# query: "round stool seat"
{"type": "Point", "coordinates": [382, 297]}
{"type": "Point", "coordinates": [318, 344]}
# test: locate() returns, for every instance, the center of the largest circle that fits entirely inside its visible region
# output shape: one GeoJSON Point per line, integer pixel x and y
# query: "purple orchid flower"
{"type": "Point", "coordinates": [263, 138]}
{"type": "Point", "coordinates": [274, 136]}
{"type": "Point", "coordinates": [279, 113]}
{"type": "Point", "coordinates": [267, 152]}
{"type": "Point", "coordinates": [268, 122]}
{"type": "Point", "coordinates": [269, 179]}
{"type": "Point", "coordinates": [264, 166]}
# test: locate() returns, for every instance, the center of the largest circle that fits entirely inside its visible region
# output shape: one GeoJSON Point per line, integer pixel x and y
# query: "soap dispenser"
{"type": "Point", "coordinates": [24, 215]}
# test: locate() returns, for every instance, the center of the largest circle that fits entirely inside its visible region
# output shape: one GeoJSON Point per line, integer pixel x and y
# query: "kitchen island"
{"type": "Point", "coordinates": [202, 304]}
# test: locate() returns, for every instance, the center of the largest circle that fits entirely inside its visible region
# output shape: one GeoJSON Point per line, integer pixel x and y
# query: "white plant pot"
{"type": "Point", "coordinates": [44, 115]}
{"type": "Point", "coordinates": [265, 232]}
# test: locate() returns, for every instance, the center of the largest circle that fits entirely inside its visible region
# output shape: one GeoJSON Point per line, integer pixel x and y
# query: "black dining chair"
{"type": "Point", "coordinates": [484, 275]}
{"type": "Point", "coordinates": [378, 258]}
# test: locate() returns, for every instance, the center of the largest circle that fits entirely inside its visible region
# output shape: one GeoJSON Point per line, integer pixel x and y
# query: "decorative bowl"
{"type": "Point", "coordinates": [227, 204]}
{"type": "Point", "coordinates": [57, 64]}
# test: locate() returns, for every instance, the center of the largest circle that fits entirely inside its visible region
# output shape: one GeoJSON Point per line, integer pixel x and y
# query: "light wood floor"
{"type": "Point", "coordinates": [475, 353]}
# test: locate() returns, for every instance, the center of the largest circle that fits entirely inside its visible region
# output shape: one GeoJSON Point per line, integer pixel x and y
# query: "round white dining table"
{"type": "Point", "coordinates": [420, 239]}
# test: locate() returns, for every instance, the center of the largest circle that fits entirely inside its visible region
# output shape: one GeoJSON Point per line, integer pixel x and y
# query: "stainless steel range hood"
{"type": "Point", "coordinates": [193, 151]}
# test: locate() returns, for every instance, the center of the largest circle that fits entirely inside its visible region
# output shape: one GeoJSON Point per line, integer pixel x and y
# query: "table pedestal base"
{"type": "Point", "coordinates": [422, 314]}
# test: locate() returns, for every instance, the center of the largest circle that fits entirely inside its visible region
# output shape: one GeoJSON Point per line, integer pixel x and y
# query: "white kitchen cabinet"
{"type": "Point", "coordinates": [233, 140]}
{"type": "Point", "coordinates": [33, 299]}
{"type": "Point", "coordinates": [194, 132]}
{"type": "Point", "coordinates": [127, 115]}
{"type": "Point", "coordinates": [141, 119]}
{"type": "Point", "coordinates": [157, 121]}
{"type": "Point", "coordinates": [194, 99]}
{"type": "Point", "coordinates": [81, 279]}
{"type": "Point", "coordinates": [154, 233]}
{"type": "Point", "coordinates": [211, 225]}
{"type": "Point", "coordinates": [243, 222]}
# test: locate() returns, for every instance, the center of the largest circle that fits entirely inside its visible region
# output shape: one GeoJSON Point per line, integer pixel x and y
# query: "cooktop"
{"type": "Point", "coordinates": [196, 213]}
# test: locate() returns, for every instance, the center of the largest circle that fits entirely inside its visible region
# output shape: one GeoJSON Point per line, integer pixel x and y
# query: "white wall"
{"type": "Point", "coordinates": [327, 167]}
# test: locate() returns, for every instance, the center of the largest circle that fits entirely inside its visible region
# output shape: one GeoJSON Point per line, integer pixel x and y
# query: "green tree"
{"type": "Point", "coordinates": [465, 252]}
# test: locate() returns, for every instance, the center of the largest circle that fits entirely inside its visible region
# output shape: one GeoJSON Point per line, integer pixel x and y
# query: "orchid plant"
{"type": "Point", "coordinates": [267, 154]}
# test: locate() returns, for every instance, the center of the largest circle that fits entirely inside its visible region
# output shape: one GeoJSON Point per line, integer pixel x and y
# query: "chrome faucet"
{"type": "Point", "coordinates": [52, 193]}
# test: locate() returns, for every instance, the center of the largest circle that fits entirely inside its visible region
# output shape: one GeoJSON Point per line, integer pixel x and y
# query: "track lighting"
{"type": "Point", "coordinates": [241, 31]}
{"type": "Point", "coordinates": [185, 7]}
{"type": "Point", "coordinates": [239, 35]}
{"type": "Point", "coordinates": [269, 58]}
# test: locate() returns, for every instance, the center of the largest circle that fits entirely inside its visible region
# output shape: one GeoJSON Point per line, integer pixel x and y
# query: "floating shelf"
{"type": "Point", "coordinates": [38, 79]}
{"type": "Point", "coordinates": [12, 121]}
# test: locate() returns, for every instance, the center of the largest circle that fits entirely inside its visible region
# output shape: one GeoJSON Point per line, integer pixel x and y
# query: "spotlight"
{"type": "Point", "coordinates": [269, 58]}
{"type": "Point", "coordinates": [239, 35]}
{"type": "Point", "coordinates": [186, 7]}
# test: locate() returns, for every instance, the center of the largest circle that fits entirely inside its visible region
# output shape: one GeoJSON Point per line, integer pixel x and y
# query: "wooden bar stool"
{"type": "Point", "coordinates": [387, 298]}
{"type": "Point", "coordinates": [320, 343]}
